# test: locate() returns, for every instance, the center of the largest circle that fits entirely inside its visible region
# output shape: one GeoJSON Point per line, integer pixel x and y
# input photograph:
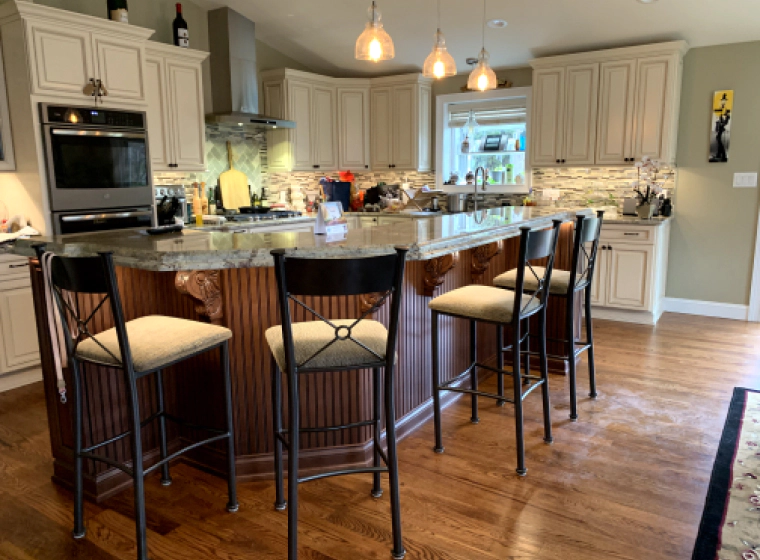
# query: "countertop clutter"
{"type": "Point", "coordinates": [195, 249]}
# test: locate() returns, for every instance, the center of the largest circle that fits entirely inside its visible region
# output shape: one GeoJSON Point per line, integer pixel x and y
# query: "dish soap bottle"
{"type": "Point", "coordinates": [197, 205]}
{"type": "Point", "coordinates": [204, 200]}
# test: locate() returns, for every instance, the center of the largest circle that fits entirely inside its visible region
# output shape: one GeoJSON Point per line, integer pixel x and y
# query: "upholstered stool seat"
{"type": "Point", "coordinates": [482, 303]}
{"type": "Point", "coordinates": [560, 280]}
{"type": "Point", "coordinates": [311, 336]}
{"type": "Point", "coordinates": [151, 350]}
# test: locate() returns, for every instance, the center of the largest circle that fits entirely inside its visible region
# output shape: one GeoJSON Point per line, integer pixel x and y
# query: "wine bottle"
{"type": "Point", "coordinates": [181, 36]}
{"type": "Point", "coordinates": [118, 11]}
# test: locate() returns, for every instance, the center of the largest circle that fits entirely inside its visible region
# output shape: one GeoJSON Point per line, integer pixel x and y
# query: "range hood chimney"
{"type": "Point", "coordinates": [234, 77]}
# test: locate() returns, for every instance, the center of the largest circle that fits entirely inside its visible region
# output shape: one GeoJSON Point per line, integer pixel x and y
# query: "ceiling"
{"type": "Point", "coordinates": [321, 34]}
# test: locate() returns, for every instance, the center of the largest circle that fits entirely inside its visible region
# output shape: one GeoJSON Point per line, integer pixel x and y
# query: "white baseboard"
{"type": "Point", "coordinates": [625, 315]}
{"type": "Point", "coordinates": [734, 311]}
{"type": "Point", "coordinates": [16, 380]}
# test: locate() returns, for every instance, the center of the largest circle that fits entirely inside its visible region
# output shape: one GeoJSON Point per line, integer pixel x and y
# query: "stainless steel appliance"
{"type": "Point", "coordinates": [98, 164]}
{"type": "Point", "coordinates": [456, 202]}
{"type": "Point", "coordinates": [170, 193]}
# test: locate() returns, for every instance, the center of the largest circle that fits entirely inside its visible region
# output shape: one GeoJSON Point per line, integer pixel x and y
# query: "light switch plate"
{"type": "Point", "coordinates": [745, 180]}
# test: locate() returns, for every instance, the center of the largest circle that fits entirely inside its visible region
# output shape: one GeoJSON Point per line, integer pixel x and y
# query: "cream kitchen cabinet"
{"type": "Point", "coordinates": [564, 115]}
{"type": "Point", "coordinates": [353, 127]}
{"type": "Point", "coordinates": [607, 107]}
{"type": "Point", "coordinates": [311, 102]}
{"type": "Point", "coordinates": [629, 280]}
{"type": "Point", "coordinates": [18, 331]}
{"type": "Point", "coordinates": [174, 94]}
{"type": "Point", "coordinates": [400, 112]}
{"type": "Point", "coordinates": [66, 51]}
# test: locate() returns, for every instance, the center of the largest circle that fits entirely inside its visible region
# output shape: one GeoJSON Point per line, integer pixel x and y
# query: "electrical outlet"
{"type": "Point", "coordinates": [745, 180]}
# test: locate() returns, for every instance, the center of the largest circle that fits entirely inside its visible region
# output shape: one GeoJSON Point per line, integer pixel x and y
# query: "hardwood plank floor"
{"type": "Point", "coordinates": [627, 481]}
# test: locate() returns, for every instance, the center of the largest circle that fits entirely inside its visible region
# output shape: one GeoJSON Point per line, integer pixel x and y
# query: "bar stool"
{"type": "Point", "coordinates": [501, 307]}
{"type": "Point", "coordinates": [325, 345]}
{"type": "Point", "coordinates": [139, 348]}
{"type": "Point", "coordinates": [565, 284]}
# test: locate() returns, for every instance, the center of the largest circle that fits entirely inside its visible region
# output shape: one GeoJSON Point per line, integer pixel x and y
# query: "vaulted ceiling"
{"type": "Point", "coordinates": [321, 33]}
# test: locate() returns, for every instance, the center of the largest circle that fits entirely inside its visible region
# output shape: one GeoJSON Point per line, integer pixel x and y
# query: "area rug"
{"type": "Point", "coordinates": [730, 527]}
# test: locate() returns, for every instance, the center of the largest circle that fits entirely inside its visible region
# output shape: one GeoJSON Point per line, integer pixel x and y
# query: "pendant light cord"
{"type": "Point", "coordinates": [484, 24]}
{"type": "Point", "coordinates": [439, 15]}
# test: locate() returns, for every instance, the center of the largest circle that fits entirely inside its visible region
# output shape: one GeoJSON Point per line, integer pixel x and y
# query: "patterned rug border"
{"type": "Point", "coordinates": [708, 538]}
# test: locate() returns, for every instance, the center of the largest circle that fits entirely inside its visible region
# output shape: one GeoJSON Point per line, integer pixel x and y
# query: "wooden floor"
{"type": "Point", "coordinates": [627, 481]}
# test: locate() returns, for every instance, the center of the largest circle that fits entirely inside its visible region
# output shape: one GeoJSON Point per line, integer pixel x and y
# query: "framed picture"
{"type": "Point", "coordinates": [720, 134]}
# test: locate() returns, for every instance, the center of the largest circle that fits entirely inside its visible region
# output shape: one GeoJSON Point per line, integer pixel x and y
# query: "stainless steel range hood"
{"type": "Point", "coordinates": [234, 77]}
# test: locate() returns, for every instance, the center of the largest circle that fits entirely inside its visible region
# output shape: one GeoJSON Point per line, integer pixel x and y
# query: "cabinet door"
{"type": "Point", "coordinates": [599, 282]}
{"type": "Point", "coordinates": [300, 111]}
{"type": "Point", "coordinates": [629, 281]}
{"type": "Point", "coordinates": [616, 103]}
{"type": "Point", "coordinates": [353, 128]}
{"type": "Point", "coordinates": [425, 150]}
{"type": "Point", "coordinates": [62, 60]}
{"type": "Point", "coordinates": [159, 123]}
{"type": "Point", "coordinates": [547, 123]}
{"type": "Point", "coordinates": [120, 67]}
{"type": "Point", "coordinates": [18, 330]}
{"type": "Point", "coordinates": [187, 116]}
{"type": "Point", "coordinates": [381, 114]}
{"type": "Point", "coordinates": [580, 114]}
{"type": "Point", "coordinates": [652, 105]}
{"type": "Point", "coordinates": [405, 134]}
{"type": "Point", "coordinates": [325, 120]}
{"type": "Point", "coordinates": [278, 141]}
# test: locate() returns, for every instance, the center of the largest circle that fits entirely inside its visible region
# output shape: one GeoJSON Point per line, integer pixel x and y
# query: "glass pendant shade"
{"type": "Point", "coordinates": [374, 43]}
{"type": "Point", "coordinates": [439, 63]}
{"type": "Point", "coordinates": [482, 77]}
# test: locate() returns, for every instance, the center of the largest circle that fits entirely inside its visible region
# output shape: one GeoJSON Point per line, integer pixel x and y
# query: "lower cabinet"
{"type": "Point", "coordinates": [18, 330]}
{"type": "Point", "coordinates": [631, 270]}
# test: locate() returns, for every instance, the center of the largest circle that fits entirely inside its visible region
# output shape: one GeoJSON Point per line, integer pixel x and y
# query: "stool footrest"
{"type": "Point", "coordinates": [336, 428]}
{"type": "Point", "coordinates": [122, 435]}
{"type": "Point", "coordinates": [184, 450]}
{"type": "Point", "coordinates": [342, 472]}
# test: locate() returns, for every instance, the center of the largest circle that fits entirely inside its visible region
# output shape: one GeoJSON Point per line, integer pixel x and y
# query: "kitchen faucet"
{"type": "Point", "coordinates": [475, 188]}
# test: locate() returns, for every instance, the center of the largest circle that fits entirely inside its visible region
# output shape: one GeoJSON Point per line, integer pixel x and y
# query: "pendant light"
{"type": "Point", "coordinates": [482, 77]}
{"type": "Point", "coordinates": [439, 63]}
{"type": "Point", "coordinates": [374, 43]}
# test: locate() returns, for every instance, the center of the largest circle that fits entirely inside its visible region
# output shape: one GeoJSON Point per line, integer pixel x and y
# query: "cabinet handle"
{"type": "Point", "coordinates": [631, 233]}
{"type": "Point", "coordinates": [18, 265]}
{"type": "Point", "coordinates": [316, 167]}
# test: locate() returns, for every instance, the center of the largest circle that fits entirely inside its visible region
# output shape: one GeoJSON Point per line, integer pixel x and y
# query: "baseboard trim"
{"type": "Point", "coordinates": [733, 311]}
{"type": "Point", "coordinates": [625, 315]}
{"type": "Point", "coordinates": [15, 380]}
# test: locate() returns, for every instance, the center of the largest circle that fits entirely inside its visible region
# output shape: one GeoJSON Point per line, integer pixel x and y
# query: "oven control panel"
{"type": "Point", "coordinates": [94, 117]}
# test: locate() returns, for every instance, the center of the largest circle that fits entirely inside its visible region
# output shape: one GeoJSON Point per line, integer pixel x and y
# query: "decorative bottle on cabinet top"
{"type": "Point", "coordinates": [118, 11]}
{"type": "Point", "coordinates": [181, 35]}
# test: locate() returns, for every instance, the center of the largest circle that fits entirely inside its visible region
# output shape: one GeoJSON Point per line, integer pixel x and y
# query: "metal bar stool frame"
{"type": "Point", "coordinates": [583, 265]}
{"type": "Point", "coordinates": [534, 244]}
{"type": "Point", "coordinates": [96, 275]}
{"type": "Point", "coordinates": [321, 277]}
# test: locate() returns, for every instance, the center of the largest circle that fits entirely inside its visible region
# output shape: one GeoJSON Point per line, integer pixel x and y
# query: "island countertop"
{"type": "Point", "coordinates": [205, 248]}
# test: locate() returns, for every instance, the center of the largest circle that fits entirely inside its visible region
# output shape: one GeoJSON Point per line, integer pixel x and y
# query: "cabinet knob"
{"type": "Point", "coordinates": [366, 167]}
{"type": "Point", "coordinates": [557, 161]}
{"type": "Point", "coordinates": [563, 161]}
{"type": "Point", "coordinates": [316, 167]}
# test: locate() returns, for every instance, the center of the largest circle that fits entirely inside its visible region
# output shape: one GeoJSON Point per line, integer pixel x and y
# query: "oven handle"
{"type": "Point", "coordinates": [78, 132]}
{"type": "Point", "coordinates": [93, 217]}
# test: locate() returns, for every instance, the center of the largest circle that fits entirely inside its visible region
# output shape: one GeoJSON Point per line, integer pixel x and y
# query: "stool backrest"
{"type": "Point", "coordinates": [535, 245]}
{"type": "Point", "coordinates": [70, 276]}
{"type": "Point", "coordinates": [382, 275]}
{"type": "Point", "coordinates": [587, 231]}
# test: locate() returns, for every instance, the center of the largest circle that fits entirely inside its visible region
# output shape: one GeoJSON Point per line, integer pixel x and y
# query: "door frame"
{"type": "Point", "coordinates": [753, 310]}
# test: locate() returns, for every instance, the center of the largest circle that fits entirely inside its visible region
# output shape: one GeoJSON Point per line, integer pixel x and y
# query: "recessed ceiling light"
{"type": "Point", "coordinates": [497, 23]}
{"type": "Point", "coordinates": [647, 1]}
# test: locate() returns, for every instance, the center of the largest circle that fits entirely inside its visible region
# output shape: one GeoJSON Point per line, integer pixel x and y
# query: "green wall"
{"type": "Point", "coordinates": [713, 234]}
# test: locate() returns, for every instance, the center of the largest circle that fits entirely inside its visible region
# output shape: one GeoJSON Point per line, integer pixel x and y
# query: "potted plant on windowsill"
{"type": "Point", "coordinates": [647, 186]}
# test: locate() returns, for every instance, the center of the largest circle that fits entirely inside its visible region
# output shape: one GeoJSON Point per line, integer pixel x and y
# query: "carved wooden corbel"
{"type": "Point", "coordinates": [204, 286]}
{"type": "Point", "coordinates": [435, 271]}
{"type": "Point", "coordinates": [481, 258]}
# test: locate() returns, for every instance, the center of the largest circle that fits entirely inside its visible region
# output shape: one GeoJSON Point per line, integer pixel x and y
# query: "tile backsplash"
{"type": "Point", "coordinates": [578, 186]}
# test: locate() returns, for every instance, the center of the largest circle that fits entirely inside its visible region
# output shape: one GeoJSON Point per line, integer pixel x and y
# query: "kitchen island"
{"type": "Point", "coordinates": [227, 278]}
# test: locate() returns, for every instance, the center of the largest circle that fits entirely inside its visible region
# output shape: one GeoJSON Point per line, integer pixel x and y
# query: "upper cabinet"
{"type": "Point", "coordinates": [349, 124]}
{"type": "Point", "coordinates": [607, 107]}
{"type": "Point", "coordinates": [400, 123]}
{"type": "Point", "coordinates": [311, 102]}
{"type": "Point", "coordinates": [174, 95]}
{"type": "Point", "coordinates": [68, 51]}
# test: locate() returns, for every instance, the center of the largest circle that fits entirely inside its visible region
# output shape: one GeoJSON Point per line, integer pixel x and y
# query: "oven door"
{"type": "Point", "coordinates": [91, 168]}
{"type": "Point", "coordinates": [102, 220]}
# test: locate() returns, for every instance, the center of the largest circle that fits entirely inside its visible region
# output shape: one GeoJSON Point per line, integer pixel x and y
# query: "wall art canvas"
{"type": "Point", "coordinates": [720, 135]}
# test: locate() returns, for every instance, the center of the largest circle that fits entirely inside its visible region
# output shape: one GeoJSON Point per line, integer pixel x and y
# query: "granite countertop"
{"type": "Point", "coordinates": [198, 249]}
{"type": "Point", "coordinates": [620, 219]}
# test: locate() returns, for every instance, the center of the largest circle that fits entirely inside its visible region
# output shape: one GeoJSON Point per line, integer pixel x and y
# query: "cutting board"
{"type": "Point", "coordinates": [234, 186]}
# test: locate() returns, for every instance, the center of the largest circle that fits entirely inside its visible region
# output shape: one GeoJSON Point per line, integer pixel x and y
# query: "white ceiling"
{"type": "Point", "coordinates": [321, 33]}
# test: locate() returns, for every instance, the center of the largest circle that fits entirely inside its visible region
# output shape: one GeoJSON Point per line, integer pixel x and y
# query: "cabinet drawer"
{"type": "Point", "coordinates": [635, 234]}
{"type": "Point", "coordinates": [11, 265]}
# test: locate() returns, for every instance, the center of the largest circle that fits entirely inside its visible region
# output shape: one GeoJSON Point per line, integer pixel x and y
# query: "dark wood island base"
{"type": "Point", "coordinates": [245, 301]}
